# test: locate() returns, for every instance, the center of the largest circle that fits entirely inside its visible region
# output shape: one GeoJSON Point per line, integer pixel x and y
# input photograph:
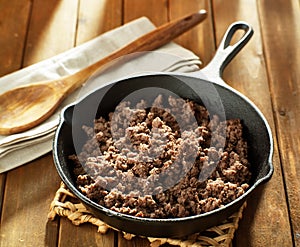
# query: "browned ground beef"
{"type": "Point", "coordinates": [146, 142]}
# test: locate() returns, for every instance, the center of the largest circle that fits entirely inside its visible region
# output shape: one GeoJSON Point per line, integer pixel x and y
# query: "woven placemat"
{"type": "Point", "coordinates": [65, 204]}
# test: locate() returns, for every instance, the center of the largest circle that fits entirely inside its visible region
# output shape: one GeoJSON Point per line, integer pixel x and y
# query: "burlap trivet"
{"type": "Point", "coordinates": [65, 204]}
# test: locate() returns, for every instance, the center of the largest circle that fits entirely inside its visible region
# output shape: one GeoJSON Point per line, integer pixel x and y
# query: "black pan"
{"type": "Point", "coordinates": [205, 86]}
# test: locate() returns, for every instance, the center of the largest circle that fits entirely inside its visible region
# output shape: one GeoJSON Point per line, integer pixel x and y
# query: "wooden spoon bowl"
{"type": "Point", "coordinates": [24, 107]}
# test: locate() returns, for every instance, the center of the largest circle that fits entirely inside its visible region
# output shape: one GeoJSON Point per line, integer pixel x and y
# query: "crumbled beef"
{"type": "Point", "coordinates": [139, 142]}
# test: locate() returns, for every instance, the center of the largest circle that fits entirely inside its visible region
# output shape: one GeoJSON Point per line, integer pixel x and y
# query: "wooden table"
{"type": "Point", "coordinates": [267, 71]}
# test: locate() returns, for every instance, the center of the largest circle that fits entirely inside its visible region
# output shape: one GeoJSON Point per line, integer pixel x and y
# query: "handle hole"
{"type": "Point", "coordinates": [237, 36]}
{"type": "Point", "coordinates": [234, 37]}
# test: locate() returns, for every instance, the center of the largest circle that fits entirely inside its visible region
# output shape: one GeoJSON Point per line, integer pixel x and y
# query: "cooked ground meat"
{"type": "Point", "coordinates": [136, 162]}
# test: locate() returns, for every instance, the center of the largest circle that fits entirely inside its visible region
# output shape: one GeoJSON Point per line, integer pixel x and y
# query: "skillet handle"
{"type": "Point", "coordinates": [226, 52]}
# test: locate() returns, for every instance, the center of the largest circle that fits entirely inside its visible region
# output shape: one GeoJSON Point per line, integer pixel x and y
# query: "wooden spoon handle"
{"type": "Point", "coordinates": [150, 41]}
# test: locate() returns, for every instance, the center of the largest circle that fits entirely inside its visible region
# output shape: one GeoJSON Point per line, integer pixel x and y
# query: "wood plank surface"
{"type": "Point", "coordinates": [201, 38]}
{"type": "Point", "coordinates": [83, 235]}
{"type": "Point", "coordinates": [2, 186]}
{"type": "Point", "coordinates": [13, 29]}
{"type": "Point", "coordinates": [281, 33]}
{"type": "Point", "coordinates": [30, 189]}
{"type": "Point", "coordinates": [52, 29]}
{"type": "Point", "coordinates": [28, 194]}
{"type": "Point", "coordinates": [96, 17]}
{"type": "Point", "coordinates": [155, 10]}
{"type": "Point", "coordinates": [266, 220]}
{"type": "Point", "coordinates": [134, 242]}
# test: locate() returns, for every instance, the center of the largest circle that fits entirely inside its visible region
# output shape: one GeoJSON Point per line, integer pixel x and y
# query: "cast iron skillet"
{"type": "Point", "coordinates": [204, 86]}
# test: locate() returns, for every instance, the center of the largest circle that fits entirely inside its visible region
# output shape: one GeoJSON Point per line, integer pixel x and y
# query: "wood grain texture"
{"type": "Point", "coordinates": [13, 28]}
{"type": "Point", "coordinates": [96, 17]}
{"type": "Point", "coordinates": [265, 221]}
{"type": "Point", "coordinates": [134, 242]}
{"type": "Point", "coordinates": [281, 33]}
{"type": "Point", "coordinates": [2, 186]}
{"type": "Point", "coordinates": [200, 39]}
{"type": "Point", "coordinates": [52, 29]}
{"type": "Point", "coordinates": [28, 194]}
{"type": "Point", "coordinates": [30, 189]}
{"type": "Point", "coordinates": [83, 235]}
{"type": "Point", "coordinates": [155, 10]}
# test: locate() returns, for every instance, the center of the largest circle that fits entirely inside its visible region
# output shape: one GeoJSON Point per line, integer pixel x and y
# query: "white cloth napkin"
{"type": "Point", "coordinates": [18, 149]}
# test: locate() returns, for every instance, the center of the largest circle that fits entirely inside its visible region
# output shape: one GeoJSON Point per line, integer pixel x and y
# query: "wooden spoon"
{"type": "Point", "coordinates": [27, 106]}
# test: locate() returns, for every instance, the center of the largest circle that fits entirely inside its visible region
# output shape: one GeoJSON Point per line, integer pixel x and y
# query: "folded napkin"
{"type": "Point", "coordinates": [18, 149]}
